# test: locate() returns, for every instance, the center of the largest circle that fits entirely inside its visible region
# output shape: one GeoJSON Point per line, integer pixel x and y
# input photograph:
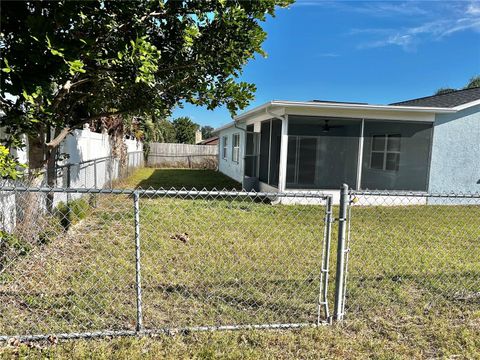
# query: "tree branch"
{"type": "Point", "coordinates": [59, 138]}
{"type": "Point", "coordinates": [105, 114]}
{"type": "Point", "coordinates": [65, 90]}
{"type": "Point", "coordinates": [67, 130]}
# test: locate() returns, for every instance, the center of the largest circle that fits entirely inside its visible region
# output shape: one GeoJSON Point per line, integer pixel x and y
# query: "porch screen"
{"type": "Point", "coordinates": [251, 152]}
{"type": "Point", "coordinates": [264, 151]}
{"type": "Point", "coordinates": [396, 155]}
{"type": "Point", "coordinates": [322, 152]}
{"type": "Point", "coordinates": [270, 134]}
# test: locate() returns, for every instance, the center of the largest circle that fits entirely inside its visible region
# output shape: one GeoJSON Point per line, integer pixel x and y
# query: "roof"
{"type": "Point", "coordinates": [448, 100]}
{"type": "Point", "coordinates": [340, 102]}
{"type": "Point", "coordinates": [340, 105]}
{"type": "Point", "coordinates": [435, 104]}
{"type": "Point", "coordinates": [210, 141]}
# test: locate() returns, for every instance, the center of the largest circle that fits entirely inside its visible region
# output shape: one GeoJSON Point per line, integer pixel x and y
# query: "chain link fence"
{"type": "Point", "coordinates": [123, 262]}
{"type": "Point", "coordinates": [127, 262]}
{"type": "Point", "coordinates": [97, 173]}
{"type": "Point", "coordinates": [412, 256]}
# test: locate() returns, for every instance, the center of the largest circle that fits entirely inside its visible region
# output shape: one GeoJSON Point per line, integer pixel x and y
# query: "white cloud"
{"type": "Point", "coordinates": [473, 8]}
{"type": "Point", "coordinates": [442, 20]}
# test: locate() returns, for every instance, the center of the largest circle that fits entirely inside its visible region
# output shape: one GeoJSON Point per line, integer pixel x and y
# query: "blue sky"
{"type": "Point", "coordinates": [375, 52]}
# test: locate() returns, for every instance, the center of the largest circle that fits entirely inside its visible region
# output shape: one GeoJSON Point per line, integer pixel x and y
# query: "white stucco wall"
{"type": "Point", "coordinates": [228, 166]}
{"type": "Point", "coordinates": [455, 159]}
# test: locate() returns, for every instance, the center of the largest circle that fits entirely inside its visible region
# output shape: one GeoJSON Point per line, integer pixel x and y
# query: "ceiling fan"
{"type": "Point", "coordinates": [326, 127]}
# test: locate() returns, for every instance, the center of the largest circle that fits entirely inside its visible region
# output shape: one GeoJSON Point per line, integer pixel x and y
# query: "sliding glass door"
{"type": "Point", "coordinates": [322, 152]}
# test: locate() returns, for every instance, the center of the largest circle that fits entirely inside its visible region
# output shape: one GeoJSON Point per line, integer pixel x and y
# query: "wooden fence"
{"type": "Point", "coordinates": [183, 156]}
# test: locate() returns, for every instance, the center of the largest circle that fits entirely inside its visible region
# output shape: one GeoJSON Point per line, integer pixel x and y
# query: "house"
{"type": "Point", "coordinates": [430, 144]}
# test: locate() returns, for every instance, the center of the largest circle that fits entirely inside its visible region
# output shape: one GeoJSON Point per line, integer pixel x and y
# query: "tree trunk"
{"type": "Point", "coordinates": [36, 151]}
{"type": "Point", "coordinates": [41, 161]}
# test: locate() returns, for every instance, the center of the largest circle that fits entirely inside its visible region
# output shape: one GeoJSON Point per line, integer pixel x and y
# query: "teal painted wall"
{"type": "Point", "coordinates": [455, 157]}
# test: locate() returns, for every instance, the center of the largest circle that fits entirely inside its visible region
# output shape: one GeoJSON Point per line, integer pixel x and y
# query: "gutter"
{"type": "Point", "coordinates": [320, 105]}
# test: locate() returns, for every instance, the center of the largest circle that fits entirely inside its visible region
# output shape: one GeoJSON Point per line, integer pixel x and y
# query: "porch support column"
{"type": "Point", "coordinates": [360, 156]}
{"type": "Point", "coordinates": [282, 171]}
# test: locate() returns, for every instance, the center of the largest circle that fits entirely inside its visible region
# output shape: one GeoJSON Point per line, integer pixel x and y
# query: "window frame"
{"type": "Point", "coordinates": [224, 147]}
{"type": "Point", "coordinates": [385, 152]}
{"type": "Point", "coordinates": [236, 148]}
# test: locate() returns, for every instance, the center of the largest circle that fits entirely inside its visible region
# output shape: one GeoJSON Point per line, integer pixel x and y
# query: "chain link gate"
{"type": "Point", "coordinates": [231, 260]}
{"type": "Point", "coordinates": [132, 262]}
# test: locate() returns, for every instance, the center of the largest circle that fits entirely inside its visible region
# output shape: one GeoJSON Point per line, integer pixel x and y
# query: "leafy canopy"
{"type": "Point", "coordinates": [69, 62]}
{"type": "Point", "coordinates": [207, 131]}
{"type": "Point", "coordinates": [10, 168]}
{"type": "Point", "coordinates": [185, 130]}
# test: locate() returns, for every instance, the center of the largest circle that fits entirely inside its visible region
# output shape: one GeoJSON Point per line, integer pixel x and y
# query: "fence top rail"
{"type": "Point", "coordinates": [396, 193]}
{"type": "Point", "coordinates": [181, 155]}
{"type": "Point", "coordinates": [105, 158]}
{"type": "Point", "coordinates": [167, 192]}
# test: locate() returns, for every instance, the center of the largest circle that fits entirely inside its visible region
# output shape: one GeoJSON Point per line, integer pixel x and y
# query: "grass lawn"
{"type": "Point", "coordinates": [414, 279]}
{"type": "Point", "coordinates": [180, 178]}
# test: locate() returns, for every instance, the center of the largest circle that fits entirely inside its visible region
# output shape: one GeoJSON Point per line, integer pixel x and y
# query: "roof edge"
{"type": "Point", "coordinates": [347, 106]}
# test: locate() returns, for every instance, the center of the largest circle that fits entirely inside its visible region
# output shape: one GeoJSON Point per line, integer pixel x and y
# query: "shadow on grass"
{"type": "Point", "coordinates": [185, 178]}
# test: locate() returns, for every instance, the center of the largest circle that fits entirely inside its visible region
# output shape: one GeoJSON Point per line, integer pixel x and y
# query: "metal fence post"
{"type": "Point", "coordinates": [112, 164]}
{"type": "Point", "coordinates": [95, 173]}
{"type": "Point", "coordinates": [339, 280]}
{"type": "Point", "coordinates": [138, 286]}
{"type": "Point", "coordinates": [324, 275]}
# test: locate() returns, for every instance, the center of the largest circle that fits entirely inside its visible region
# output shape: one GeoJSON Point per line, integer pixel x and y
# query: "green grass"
{"type": "Point", "coordinates": [180, 178]}
{"type": "Point", "coordinates": [413, 283]}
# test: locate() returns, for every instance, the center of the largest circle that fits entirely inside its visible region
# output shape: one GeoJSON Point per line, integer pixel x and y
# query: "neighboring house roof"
{"type": "Point", "coordinates": [448, 100]}
{"type": "Point", "coordinates": [210, 141]}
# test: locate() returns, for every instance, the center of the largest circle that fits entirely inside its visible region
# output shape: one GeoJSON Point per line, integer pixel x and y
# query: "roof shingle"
{"type": "Point", "coordinates": [448, 100]}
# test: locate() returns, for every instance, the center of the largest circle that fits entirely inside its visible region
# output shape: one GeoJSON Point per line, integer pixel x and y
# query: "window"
{"type": "Point", "coordinates": [385, 154]}
{"type": "Point", "coordinates": [236, 147]}
{"type": "Point", "coordinates": [225, 146]}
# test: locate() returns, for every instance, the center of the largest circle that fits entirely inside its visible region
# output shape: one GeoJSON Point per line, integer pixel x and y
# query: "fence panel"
{"type": "Point", "coordinates": [124, 262]}
{"type": "Point", "coordinates": [413, 256]}
{"type": "Point", "coordinates": [183, 156]}
{"type": "Point", "coordinates": [71, 270]}
{"type": "Point", "coordinates": [225, 259]}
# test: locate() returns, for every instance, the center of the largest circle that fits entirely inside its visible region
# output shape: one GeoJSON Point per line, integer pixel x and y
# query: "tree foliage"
{"type": "Point", "coordinates": [161, 131]}
{"type": "Point", "coordinates": [10, 168]}
{"type": "Point", "coordinates": [67, 63]}
{"type": "Point", "coordinates": [473, 83]}
{"type": "Point", "coordinates": [444, 91]}
{"type": "Point", "coordinates": [207, 131]}
{"type": "Point", "coordinates": [185, 130]}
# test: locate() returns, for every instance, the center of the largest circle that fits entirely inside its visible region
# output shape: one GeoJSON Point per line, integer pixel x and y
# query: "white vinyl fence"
{"type": "Point", "coordinates": [88, 163]}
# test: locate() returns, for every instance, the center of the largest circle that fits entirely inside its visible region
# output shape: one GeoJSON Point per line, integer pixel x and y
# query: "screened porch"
{"type": "Point", "coordinates": [324, 152]}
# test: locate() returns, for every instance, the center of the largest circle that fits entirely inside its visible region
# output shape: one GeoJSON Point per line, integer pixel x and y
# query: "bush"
{"type": "Point", "coordinates": [72, 212]}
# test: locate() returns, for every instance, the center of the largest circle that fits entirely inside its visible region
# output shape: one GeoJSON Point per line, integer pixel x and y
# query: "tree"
{"type": "Point", "coordinates": [185, 130]}
{"type": "Point", "coordinates": [444, 91]}
{"type": "Point", "coordinates": [161, 131]}
{"type": "Point", "coordinates": [207, 131]}
{"type": "Point", "coordinates": [67, 63]}
{"type": "Point", "coordinates": [473, 83]}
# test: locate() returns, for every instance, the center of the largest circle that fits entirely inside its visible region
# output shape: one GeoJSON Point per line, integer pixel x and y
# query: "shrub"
{"type": "Point", "coordinates": [72, 212]}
